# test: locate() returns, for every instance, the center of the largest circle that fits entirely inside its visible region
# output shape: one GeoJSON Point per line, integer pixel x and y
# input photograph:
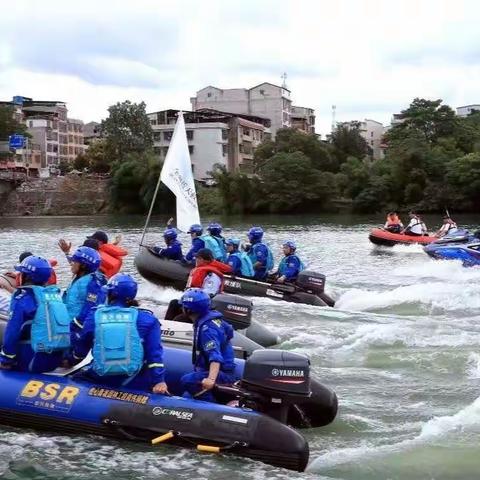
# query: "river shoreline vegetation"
{"type": "Point", "coordinates": [432, 162]}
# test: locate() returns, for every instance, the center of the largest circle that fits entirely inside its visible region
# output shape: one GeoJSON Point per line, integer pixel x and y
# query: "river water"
{"type": "Point", "coordinates": [401, 349]}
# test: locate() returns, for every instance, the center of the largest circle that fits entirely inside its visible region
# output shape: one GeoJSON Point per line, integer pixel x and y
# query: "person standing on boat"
{"type": "Point", "coordinates": [173, 248]}
{"type": "Point", "coordinates": [37, 333]}
{"type": "Point", "coordinates": [290, 265]}
{"type": "Point", "coordinates": [239, 261]}
{"type": "Point", "coordinates": [393, 223]}
{"type": "Point", "coordinates": [125, 341]}
{"type": "Point", "coordinates": [416, 227]}
{"type": "Point", "coordinates": [198, 243]}
{"type": "Point", "coordinates": [212, 351]}
{"type": "Point", "coordinates": [449, 226]}
{"type": "Point", "coordinates": [260, 254]}
{"type": "Point", "coordinates": [85, 291]}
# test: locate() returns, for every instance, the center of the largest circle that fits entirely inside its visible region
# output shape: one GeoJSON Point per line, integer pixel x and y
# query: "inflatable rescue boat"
{"type": "Point", "coordinates": [379, 236]}
{"type": "Point", "coordinates": [309, 287]}
{"type": "Point", "coordinates": [274, 394]}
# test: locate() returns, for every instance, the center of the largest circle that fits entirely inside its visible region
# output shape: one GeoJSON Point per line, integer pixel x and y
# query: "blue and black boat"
{"type": "Point", "coordinates": [274, 394]}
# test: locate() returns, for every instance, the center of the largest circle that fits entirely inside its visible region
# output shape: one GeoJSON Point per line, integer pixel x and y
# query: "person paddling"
{"type": "Point", "coordinates": [449, 226]}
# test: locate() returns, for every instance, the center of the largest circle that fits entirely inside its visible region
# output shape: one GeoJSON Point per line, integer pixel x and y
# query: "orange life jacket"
{"type": "Point", "coordinates": [111, 256]}
{"type": "Point", "coordinates": [393, 220]}
{"type": "Point", "coordinates": [198, 274]}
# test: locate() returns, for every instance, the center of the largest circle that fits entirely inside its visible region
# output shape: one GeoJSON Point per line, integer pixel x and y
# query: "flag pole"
{"type": "Point", "coordinates": [150, 210]}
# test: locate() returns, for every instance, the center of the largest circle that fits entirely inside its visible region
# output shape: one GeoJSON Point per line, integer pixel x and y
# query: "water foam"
{"type": "Point", "coordinates": [473, 365]}
{"type": "Point", "coordinates": [467, 418]}
{"type": "Point", "coordinates": [431, 295]}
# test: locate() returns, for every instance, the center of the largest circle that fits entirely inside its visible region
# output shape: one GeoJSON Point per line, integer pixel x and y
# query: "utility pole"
{"type": "Point", "coordinates": [334, 124]}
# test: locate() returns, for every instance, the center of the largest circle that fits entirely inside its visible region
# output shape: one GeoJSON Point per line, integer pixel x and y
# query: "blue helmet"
{"type": "Point", "coordinates": [291, 245]}
{"type": "Point", "coordinates": [255, 234]}
{"type": "Point", "coordinates": [170, 234]}
{"type": "Point", "coordinates": [36, 269]}
{"type": "Point", "coordinates": [214, 229]}
{"type": "Point", "coordinates": [233, 241]}
{"type": "Point", "coordinates": [122, 286]}
{"type": "Point", "coordinates": [195, 300]}
{"type": "Point", "coordinates": [88, 257]}
{"type": "Point", "coordinates": [196, 228]}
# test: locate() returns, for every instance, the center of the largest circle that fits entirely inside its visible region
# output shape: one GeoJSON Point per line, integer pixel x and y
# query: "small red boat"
{"type": "Point", "coordinates": [379, 236]}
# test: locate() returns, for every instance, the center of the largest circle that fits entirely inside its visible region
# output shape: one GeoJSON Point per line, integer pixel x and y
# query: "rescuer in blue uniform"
{"type": "Point", "coordinates": [125, 341]}
{"type": "Point", "coordinates": [215, 242]}
{"type": "Point", "coordinates": [212, 353]}
{"type": "Point", "coordinates": [290, 265]}
{"type": "Point", "coordinates": [239, 261]}
{"type": "Point", "coordinates": [85, 292]}
{"type": "Point", "coordinates": [260, 254]}
{"type": "Point", "coordinates": [27, 311]}
{"type": "Point", "coordinates": [173, 249]}
{"type": "Point", "coordinates": [198, 243]}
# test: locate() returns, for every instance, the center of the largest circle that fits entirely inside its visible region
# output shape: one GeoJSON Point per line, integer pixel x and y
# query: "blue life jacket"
{"type": "Point", "coordinates": [117, 348]}
{"type": "Point", "coordinates": [247, 265]}
{"type": "Point", "coordinates": [50, 330]}
{"type": "Point", "coordinates": [216, 245]}
{"type": "Point", "coordinates": [283, 265]}
{"type": "Point", "coordinates": [76, 294]}
{"type": "Point", "coordinates": [253, 255]}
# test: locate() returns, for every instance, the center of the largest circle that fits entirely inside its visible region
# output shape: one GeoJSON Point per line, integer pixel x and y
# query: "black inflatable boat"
{"type": "Point", "coordinates": [309, 287]}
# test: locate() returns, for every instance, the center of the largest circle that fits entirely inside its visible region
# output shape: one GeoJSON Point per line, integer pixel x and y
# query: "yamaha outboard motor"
{"type": "Point", "coordinates": [274, 381]}
{"type": "Point", "coordinates": [236, 310]}
{"type": "Point", "coordinates": [311, 282]}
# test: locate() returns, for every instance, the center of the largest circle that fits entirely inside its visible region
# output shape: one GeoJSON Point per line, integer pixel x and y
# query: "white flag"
{"type": "Point", "coordinates": [178, 177]}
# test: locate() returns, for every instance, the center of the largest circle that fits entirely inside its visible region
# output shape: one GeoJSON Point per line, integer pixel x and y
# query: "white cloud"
{"type": "Point", "coordinates": [370, 57]}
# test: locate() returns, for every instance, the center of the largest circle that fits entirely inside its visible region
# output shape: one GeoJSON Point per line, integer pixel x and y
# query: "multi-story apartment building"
{"type": "Point", "coordinates": [466, 110]}
{"type": "Point", "coordinates": [91, 132]}
{"type": "Point", "coordinates": [266, 100]}
{"type": "Point", "coordinates": [372, 131]}
{"type": "Point", "coordinates": [57, 137]}
{"type": "Point", "coordinates": [213, 138]}
{"type": "Point", "coordinates": [303, 119]}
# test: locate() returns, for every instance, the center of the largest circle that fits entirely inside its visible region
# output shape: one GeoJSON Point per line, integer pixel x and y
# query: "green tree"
{"type": "Point", "coordinates": [64, 167]}
{"type": "Point", "coordinates": [81, 162]}
{"type": "Point", "coordinates": [463, 175]}
{"type": "Point", "coordinates": [429, 118]}
{"type": "Point", "coordinates": [8, 123]}
{"type": "Point", "coordinates": [348, 142]}
{"type": "Point", "coordinates": [97, 158]}
{"type": "Point", "coordinates": [127, 130]}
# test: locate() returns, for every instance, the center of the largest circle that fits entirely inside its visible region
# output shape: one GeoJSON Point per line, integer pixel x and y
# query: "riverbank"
{"type": "Point", "coordinates": [58, 196]}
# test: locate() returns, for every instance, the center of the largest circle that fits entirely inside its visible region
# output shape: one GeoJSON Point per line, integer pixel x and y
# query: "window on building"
{"type": "Point", "coordinates": [246, 131]}
{"type": "Point", "coordinates": [168, 135]}
{"type": "Point", "coordinates": [49, 147]}
{"type": "Point", "coordinates": [240, 148]}
{"type": "Point", "coordinates": [191, 149]}
{"type": "Point", "coordinates": [157, 150]}
{"type": "Point", "coordinates": [189, 134]}
{"type": "Point", "coordinates": [209, 94]}
{"type": "Point", "coordinates": [157, 136]}
{"type": "Point", "coordinates": [224, 149]}
{"type": "Point", "coordinates": [371, 134]}
{"type": "Point", "coordinates": [153, 122]}
{"type": "Point", "coordinates": [71, 138]}
{"type": "Point", "coordinates": [55, 148]}
{"type": "Point", "coordinates": [193, 167]}
{"type": "Point", "coordinates": [30, 123]}
{"type": "Point", "coordinates": [71, 150]}
{"type": "Point", "coordinates": [247, 148]}
{"type": "Point", "coordinates": [262, 91]}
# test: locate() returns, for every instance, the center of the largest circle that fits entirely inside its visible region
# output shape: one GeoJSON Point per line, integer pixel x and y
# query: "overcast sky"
{"type": "Point", "coordinates": [369, 58]}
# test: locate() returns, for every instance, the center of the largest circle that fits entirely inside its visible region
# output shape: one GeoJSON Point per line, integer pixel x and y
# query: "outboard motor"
{"type": "Point", "coordinates": [235, 309]}
{"type": "Point", "coordinates": [274, 380]}
{"type": "Point", "coordinates": [311, 282]}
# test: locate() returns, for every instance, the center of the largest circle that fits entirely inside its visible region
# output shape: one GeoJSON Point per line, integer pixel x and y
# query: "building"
{"type": "Point", "coordinates": [466, 110]}
{"type": "Point", "coordinates": [266, 100]}
{"type": "Point", "coordinates": [91, 132]}
{"type": "Point", "coordinates": [372, 131]}
{"type": "Point", "coordinates": [303, 119]}
{"type": "Point", "coordinates": [214, 137]}
{"type": "Point", "coordinates": [57, 137]}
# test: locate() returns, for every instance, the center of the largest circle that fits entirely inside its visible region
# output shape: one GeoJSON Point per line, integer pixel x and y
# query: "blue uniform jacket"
{"type": "Point", "coordinates": [16, 350]}
{"type": "Point", "coordinates": [236, 264]}
{"type": "Point", "coordinates": [150, 333]}
{"type": "Point", "coordinates": [197, 244]}
{"type": "Point", "coordinates": [259, 253]}
{"type": "Point", "coordinates": [212, 342]}
{"type": "Point", "coordinates": [172, 251]}
{"type": "Point", "coordinates": [290, 266]}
